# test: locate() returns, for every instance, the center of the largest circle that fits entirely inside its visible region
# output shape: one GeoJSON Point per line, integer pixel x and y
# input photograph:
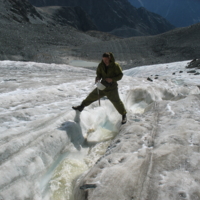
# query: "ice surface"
{"type": "Point", "coordinates": [43, 151]}
{"type": "Point", "coordinates": [153, 155]}
{"type": "Point", "coordinates": [39, 131]}
{"type": "Point", "coordinates": [83, 63]}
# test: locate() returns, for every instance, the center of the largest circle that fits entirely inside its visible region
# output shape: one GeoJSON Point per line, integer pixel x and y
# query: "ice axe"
{"type": "Point", "coordinates": [100, 86]}
{"type": "Point", "coordinates": [99, 97]}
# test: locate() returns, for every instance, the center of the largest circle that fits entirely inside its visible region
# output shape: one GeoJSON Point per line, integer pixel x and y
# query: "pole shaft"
{"type": "Point", "coordinates": [99, 97]}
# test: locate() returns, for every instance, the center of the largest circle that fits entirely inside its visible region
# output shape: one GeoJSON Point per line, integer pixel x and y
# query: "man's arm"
{"type": "Point", "coordinates": [98, 73]}
{"type": "Point", "coordinates": [118, 71]}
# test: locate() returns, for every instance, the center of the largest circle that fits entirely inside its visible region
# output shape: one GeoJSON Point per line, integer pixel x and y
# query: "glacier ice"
{"type": "Point", "coordinates": [43, 151]}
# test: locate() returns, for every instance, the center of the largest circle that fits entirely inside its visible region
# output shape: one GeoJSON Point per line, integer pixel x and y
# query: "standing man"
{"type": "Point", "coordinates": [108, 73]}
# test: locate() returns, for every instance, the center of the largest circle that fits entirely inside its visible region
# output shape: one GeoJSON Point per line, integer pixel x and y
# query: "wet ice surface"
{"type": "Point", "coordinates": [43, 150]}
{"type": "Point", "coordinates": [83, 63]}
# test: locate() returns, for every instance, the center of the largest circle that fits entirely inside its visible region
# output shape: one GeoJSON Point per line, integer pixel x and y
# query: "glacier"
{"type": "Point", "coordinates": [48, 151]}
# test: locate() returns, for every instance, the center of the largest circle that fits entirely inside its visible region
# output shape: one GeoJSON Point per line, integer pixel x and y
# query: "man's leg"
{"type": "Point", "coordinates": [113, 96]}
{"type": "Point", "coordinates": [92, 97]}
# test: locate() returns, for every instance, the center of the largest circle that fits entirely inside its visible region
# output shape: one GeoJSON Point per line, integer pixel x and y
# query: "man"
{"type": "Point", "coordinates": [108, 73]}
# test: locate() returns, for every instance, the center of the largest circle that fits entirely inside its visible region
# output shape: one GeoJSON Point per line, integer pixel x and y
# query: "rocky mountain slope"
{"type": "Point", "coordinates": [58, 44]}
{"type": "Point", "coordinates": [114, 14]}
{"type": "Point", "coordinates": [40, 42]}
{"type": "Point", "coordinates": [18, 11]}
{"type": "Point", "coordinates": [39, 39]}
{"type": "Point", "coordinates": [23, 12]}
{"type": "Point", "coordinates": [180, 13]}
{"type": "Point", "coordinates": [27, 33]}
{"type": "Point", "coordinates": [179, 44]}
{"type": "Point", "coordinates": [73, 16]}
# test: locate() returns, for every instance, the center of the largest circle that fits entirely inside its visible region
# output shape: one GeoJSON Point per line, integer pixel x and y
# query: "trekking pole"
{"type": "Point", "coordinates": [99, 97]}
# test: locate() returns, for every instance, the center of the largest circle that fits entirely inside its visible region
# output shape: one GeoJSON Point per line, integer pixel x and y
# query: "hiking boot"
{"type": "Point", "coordinates": [79, 108]}
{"type": "Point", "coordinates": [124, 119]}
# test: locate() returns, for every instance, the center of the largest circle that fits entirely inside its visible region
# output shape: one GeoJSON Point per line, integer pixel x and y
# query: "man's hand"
{"type": "Point", "coordinates": [109, 80]}
{"type": "Point", "coordinates": [96, 80]}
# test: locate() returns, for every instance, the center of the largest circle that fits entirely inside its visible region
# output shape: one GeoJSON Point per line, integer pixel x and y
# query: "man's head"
{"type": "Point", "coordinates": [106, 58]}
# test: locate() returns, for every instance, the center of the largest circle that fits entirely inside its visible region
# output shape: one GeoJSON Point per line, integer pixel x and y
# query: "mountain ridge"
{"type": "Point", "coordinates": [12, 11]}
{"type": "Point", "coordinates": [180, 13]}
{"type": "Point", "coordinates": [111, 15]}
{"type": "Point", "coordinates": [73, 16]}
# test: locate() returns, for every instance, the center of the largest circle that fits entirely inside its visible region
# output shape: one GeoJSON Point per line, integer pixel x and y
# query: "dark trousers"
{"type": "Point", "coordinates": [112, 95]}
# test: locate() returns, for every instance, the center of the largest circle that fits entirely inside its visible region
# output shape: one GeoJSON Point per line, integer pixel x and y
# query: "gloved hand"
{"type": "Point", "coordinates": [96, 80]}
